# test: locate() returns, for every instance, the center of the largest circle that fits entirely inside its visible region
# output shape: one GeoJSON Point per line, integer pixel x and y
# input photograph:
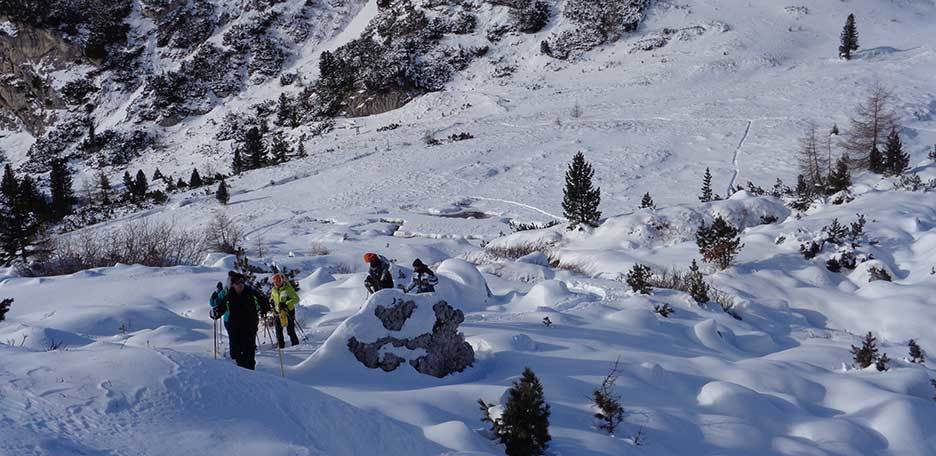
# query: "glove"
{"type": "Point", "coordinates": [215, 314]}
{"type": "Point", "coordinates": [284, 318]}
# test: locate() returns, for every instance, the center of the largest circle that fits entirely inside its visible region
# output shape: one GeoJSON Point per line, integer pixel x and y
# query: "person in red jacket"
{"type": "Point", "coordinates": [378, 276]}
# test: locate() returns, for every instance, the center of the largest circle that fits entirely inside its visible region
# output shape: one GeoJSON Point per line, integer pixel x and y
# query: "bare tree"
{"type": "Point", "coordinates": [812, 164]}
{"type": "Point", "coordinates": [224, 234]}
{"type": "Point", "coordinates": [873, 120]}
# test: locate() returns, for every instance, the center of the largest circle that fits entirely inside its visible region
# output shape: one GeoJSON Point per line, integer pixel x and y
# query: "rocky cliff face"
{"type": "Point", "coordinates": [27, 55]}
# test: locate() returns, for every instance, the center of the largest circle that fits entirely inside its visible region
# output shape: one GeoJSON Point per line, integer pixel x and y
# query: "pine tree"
{"type": "Point", "coordinates": [882, 363]}
{"type": "Point", "coordinates": [237, 164]}
{"type": "Point", "coordinates": [525, 421]}
{"type": "Point", "coordinates": [896, 162]}
{"type": "Point", "coordinates": [849, 41]}
{"type": "Point", "coordinates": [840, 179]}
{"type": "Point", "coordinates": [195, 181]}
{"type": "Point", "coordinates": [8, 185]}
{"type": "Point", "coordinates": [157, 175]}
{"type": "Point", "coordinates": [222, 194]}
{"type": "Point", "coordinates": [804, 194]}
{"type": "Point", "coordinates": [610, 412]}
{"type": "Point", "coordinates": [32, 198]}
{"type": "Point", "coordinates": [867, 354]}
{"type": "Point", "coordinates": [5, 307]}
{"type": "Point", "coordinates": [719, 243]}
{"type": "Point", "coordinates": [698, 289]}
{"type": "Point", "coordinates": [301, 150]}
{"type": "Point", "coordinates": [876, 161]}
{"type": "Point", "coordinates": [916, 353]}
{"type": "Point", "coordinates": [254, 150]}
{"type": "Point", "coordinates": [580, 201]}
{"type": "Point", "coordinates": [279, 149]}
{"type": "Point", "coordinates": [706, 195]}
{"type": "Point", "coordinates": [104, 189]}
{"type": "Point", "coordinates": [647, 202]}
{"type": "Point", "coordinates": [638, 278]}
{"type": "Point", "coordinates": [286, 115]}
{"type": "Point", "coordinates": [20, 224]}
{"type": "Point", "coordinates": [129, 187]}
{"type": "Point", "coordinates": [140, 186]}
{"type": "Point", "coordinates": [60, 187]}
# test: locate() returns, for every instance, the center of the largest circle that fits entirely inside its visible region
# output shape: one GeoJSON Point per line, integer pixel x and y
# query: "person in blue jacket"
{"type": "Point", "coordinates": [216, 298]}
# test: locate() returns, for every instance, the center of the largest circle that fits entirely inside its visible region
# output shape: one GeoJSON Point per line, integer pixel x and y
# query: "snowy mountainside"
{"type": "Point", "coordinates": [727, 85]}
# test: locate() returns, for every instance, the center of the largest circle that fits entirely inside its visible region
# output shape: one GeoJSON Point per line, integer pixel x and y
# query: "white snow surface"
{"type": "Point", "coordinates": [136, 373]}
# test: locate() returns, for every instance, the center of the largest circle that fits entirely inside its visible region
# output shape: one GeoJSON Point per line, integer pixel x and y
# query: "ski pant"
{"type": "Point", "coordinates": [244, 344]}
{"type": "Point", "coordinates": [290, 329]}
{"type": "Point", "coordinates": [227, 330]}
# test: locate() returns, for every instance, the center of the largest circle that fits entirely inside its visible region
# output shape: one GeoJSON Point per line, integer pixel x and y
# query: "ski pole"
{"type": "Point", "coordinates": [214, 336]}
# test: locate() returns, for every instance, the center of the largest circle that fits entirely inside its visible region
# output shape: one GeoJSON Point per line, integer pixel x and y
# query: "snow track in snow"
{"type": "Point", "coordinates": [736, 159]}
{"type": "Point", "coordinates": [515, 203]}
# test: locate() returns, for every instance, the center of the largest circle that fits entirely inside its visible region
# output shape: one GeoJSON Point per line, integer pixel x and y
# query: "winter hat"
{"type": "Point", "coordinates": [278, 280]}
{"type": "Point", "coordinates": [418, 264]}
{"type": "Point", "coordinates": [370, 257]}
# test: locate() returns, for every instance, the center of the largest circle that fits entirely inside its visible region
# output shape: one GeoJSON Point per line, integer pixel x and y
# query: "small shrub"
{"type": "Point", "coordinates": [518, 227]}
{"type": "Point", "coordinates": [639, 279]}
{"type": "Point", "coordinates": [768, 219]}
{"type": "Point", "coordinates": [318, 249]}
{"type": "Point", "coordinates": [647, 202]}
{"type": "Point", "coordinates": [463, 136]}
{"type": "Point", "coordinates": [881, 363]}
{"type": "Point", "coordinates": [916, 353]}
{"type": "Point", "coordinates": [429, 140]}
{"type": "Point", "coordinates": [5, 307]}
{"type": "Point", "coordinates": [810, 250]}
{"type": "Point", "coordinates": [856, 230]}
{"type": "Point", "coordinates": [835, 232]}
{"type": "Point", "coordinates": [390, 127]}
{"type": "Point", "coordinates": [697, 288]}
{"type": "Point", "coordinates": [609, 412]}
{"type": "Point", "coordinates": [719, 243]}
{"type": "Point", "coordinates": [56, 345]}
{"type": "Point", "coordinates": [547, 322]}
{"type": "Point", "coordinates": [867, 354]}
{"type": "Point", "coordinates": [878, 273]}
{"type": "Point", "coordinates": [664, 311]}
{"type": "Point", "coordinates": [848, 260]}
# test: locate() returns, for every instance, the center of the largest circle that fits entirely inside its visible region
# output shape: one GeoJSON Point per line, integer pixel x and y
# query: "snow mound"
{"type": "Point", "coordinates": [548, 295]}
{"type": "Point", "coordinates": [316, 279]}
{"type": "Point", "coordinates": [461, 282]}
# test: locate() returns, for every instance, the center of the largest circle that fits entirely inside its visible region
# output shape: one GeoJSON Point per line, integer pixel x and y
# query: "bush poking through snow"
{"type": "Point", "coordinates": [881, 363]}
{"type": "Point", "coordinates": [878, 273]}
{"type": "Point", "coordinates": [523, 427]}
{"type": "Point", "coordinates": [664, 311]}
{"type": "Point", "coordinates": [609, 412]}
{"type": "Point", "coordinates": [647, 202]}
{"type": "Point", "coordinates": [867, 354]}
{"type": "Point", "coordinates": [5, 307]}
{"type": "Point", "coordinates": [917, 355]}
{"type": "Point", "coordinates": [639, 279]}
{"type": "Point", "coordinates": [719, 243]}
{"type": "Point", "coordinates": [531, 15]}
{"type": "Point", "coordinates": [547, 322]}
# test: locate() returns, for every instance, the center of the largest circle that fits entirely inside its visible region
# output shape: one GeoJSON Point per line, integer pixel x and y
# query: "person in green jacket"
{"type": "Point", "coordinates": [284, 299]}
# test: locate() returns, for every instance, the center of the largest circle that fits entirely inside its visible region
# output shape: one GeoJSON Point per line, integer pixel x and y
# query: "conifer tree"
{"type": "Point", "coordinates": [706, 195]}
{"type": "Point", "coordinates": [916, 353]}
{"type": "Point", "coordinates": [580, 200]}
{"type": "Point", "coordinates": [896, 162]}
{"type": "Point", "coordinates": [867, 354]}
{"type": "Point", "coordinates": [698, 289]}
{"type": "Point", "coordinates": [882, 363]}
{"type": "Point", "coordinates": [104, 189]}
{"type": "Point", "coordinates": [610, 412]}
{"type": "Point", "coordinates": [638, 278]}
{"type": "Point", "coordinates": [804, 194]}
{"type": "Point", "coordinates": [279, 149]}
{"type": "Point", "coordinates": [840, 179]}
{"type": "Point", "coordinates": [876, 161]}
{"type": "Point", "coordinates": [647, 202]}
{"type": "Point", "coordinates": [254, 150]}
{"type": "Point", "coordinates": [60, 187]}
{"type": "Point", "coordinates": [525, 421]}
{"type": "Point", "coordinates": [222, 194]}
{"type": "Point", "coordinates": [8, 185]}
{"type": "Point", "coordinates": [157, 175]}
{"type": "Point", "coordinates": [33, 199]}
{"type": "Point", "coordinates": [20, 224]}
{"type": "Point", "coordinates": [719, 243]}
{"type": "Point", "coordinates": [5, 307]}
{"type": "Point", "coordinates": [301, 150]}
{"type": "Point", "coordinates": [140, 186]}
{"type": "Point", "coordinates": [849, 41]}
{"type": "Point", "coordinates": [286, 115]}
{"type": "Point", "coordinates": [129, 187]}
{"type": "Point", "coordinates": [237, 163]}
{"type": "Point", "coordinates": [181, 184]}
{"type": "Point", "coordinates": [195, 181]}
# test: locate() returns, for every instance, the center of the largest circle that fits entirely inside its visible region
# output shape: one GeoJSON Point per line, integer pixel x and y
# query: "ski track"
{"type": "Point", "coordinates": [515, 203]}
{"type": "Point", "coordinates": [736, 159]}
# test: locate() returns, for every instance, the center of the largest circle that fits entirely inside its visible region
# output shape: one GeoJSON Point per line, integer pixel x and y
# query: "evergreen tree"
{"type": "Point", "coordinates": [157, 175]}
{"type": "Point", "coordinates": [638, 278]}
{"type": "Point", "coordinates": [916, 353]}
{"type": "Point", "coordinates": [301, 150]}
{"type": "Point", "coordinates": [254, 150]}
{"type": "Point", "coordinates": [867, 354]}
{"type": "Point", "coordinates": [60, 187]}
{"type": "Point", "coordinates": [698, 289]}
{"type": "Point", "coordinates": [129, 187]}
{"type": "Point", "coordinates": [279, 149]}
{"type": "Point", "coordinates": [840, 179]}
{"type": "Point", "coordinates": [8, 185]}
{"type": "Point", "coordinates": [33, 199]}
{"type": "Point", "coordinates": [286, 114]}
{"type": "Point", "coordinates": [140, 186]}
{"type": "Point", "coordinates": [804, 194]}
{"type": "Point", "coordinates": [104, 189]}
{"type": "Point", "coordinates": [706, 195]}
{"type": "Point", "coordinates": [876, 161]}
{"type": "Point", "coordinates": [580, 201]}
{"type": "Point", "coordinates": [20, 224]}
{"type": "Point", "coordinates": [222, 194]}
{"type": "Point", "coordinates": [647, 202]}
{"type": "Point", "coordinates": [610, 412]}
{"type": "Point", "coordinates": [5, 307]}
{"type": "Point", "coordinates": [719, 243]}
{"type": "Point", "coordinates": [834, 131]}
{"type": "Point", "coordinates": [195, 181]}
{"type": "Point", "coordinates": [896, 162]}
{"type": "Point", "coordinates": [237, 163]}
{"type": "Point", "coordinates": [181, 184]}
{"type": "Point", "coordinates": [849, 41]}
{"type": "Point", "coordinates": [881, 363]}
{"type": "Point", "coordinates": [525, 421]}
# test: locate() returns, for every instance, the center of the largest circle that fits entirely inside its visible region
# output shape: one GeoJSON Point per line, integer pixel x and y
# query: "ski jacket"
{"type": "Point", "coordinates": [216, 298]}
{"type": "Point", "coordinates": [284, 296]}
{"type": "Point", "coordinates": [379, 274]}
{"type": "Point", "coordinates": [244, 308]}
{"type": "Point", "coordinates": [424, 281]}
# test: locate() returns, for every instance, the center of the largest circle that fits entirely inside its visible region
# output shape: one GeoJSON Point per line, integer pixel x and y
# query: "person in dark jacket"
{"type": "Point", "coordinates": [216, 299]}
{"type": "Point", "coordinates": [243, 306]}
{"type": "Point", "coordinates": [378, 276]}
{"type": "Point", "coordinates": [424, 280]}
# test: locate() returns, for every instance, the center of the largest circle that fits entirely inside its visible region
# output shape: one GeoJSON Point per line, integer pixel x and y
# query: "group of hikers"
{"type": "Point", "coordinates": [240, 306]}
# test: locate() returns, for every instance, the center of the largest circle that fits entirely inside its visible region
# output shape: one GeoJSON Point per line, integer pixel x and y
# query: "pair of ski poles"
{"type": "Point", "coordinates": [266, 328]}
